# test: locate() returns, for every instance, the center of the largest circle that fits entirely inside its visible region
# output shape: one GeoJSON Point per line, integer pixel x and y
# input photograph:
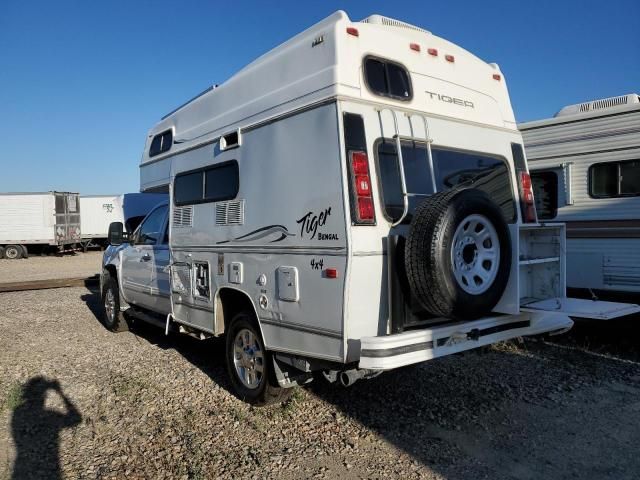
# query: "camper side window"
{"type": "Point", "coordinates": [387, 78]}
{"type": "Point", "coordinates": [545, 193]}
{"type": "Point", "coordinates": [211, 184]}
{"type": "Point", "coordinates": [615, 179]}
{"type": "Point", "coordinates": [161, 143]}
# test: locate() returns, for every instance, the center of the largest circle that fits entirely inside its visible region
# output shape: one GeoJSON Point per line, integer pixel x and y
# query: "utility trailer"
{"type": "Point", "coordinates": [37, 221]}
{"type": "Point", "coordinates": [99, 211]}
{"type": "Point", "coordinates": [355, 200]}
{"type": "Point", "coordinates": [585, 168]}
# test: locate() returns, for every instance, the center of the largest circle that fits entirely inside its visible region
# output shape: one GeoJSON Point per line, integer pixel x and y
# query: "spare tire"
{"type": "Point", "coordinates": [458, 254]}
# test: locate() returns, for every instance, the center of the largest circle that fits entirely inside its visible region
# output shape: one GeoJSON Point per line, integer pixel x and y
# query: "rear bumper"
{"type": "Point", "coordinates": [393, 351]}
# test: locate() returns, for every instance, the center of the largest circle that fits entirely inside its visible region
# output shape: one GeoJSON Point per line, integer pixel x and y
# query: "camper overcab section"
{"type": "Point", "coordinates": [355, 200]}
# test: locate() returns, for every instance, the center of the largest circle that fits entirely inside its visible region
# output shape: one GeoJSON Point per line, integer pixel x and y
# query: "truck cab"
{"type": "Point", "coordinates": [140, 263]}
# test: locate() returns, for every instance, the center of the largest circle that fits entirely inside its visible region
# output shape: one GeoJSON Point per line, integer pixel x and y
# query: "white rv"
{"type": "Point", "coordinates": [585, 167]}
{"type": "Point", "coordinates": [35, 221]}
{"type": "Point", "coordinates": [353, 201]}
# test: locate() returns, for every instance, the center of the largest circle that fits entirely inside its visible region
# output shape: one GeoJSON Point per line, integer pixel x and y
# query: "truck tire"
{"type": "Point", "coordinates": [249, 365]}
{"type": "Point", "coordinates": [1, 253]}
{"type": "Point", "coordinates": [113, 318]}
{"type": "Point", "coordinates": [458, 254]}
{"type": "Point", "coordinates": [13, 252]}
{"type": "Point", "coordinates": [25, 252]}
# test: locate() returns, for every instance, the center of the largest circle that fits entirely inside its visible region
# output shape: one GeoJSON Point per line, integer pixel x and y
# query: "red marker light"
{"type": "Point", "coordinates": [353, 31]}
{"type": "Point", "coordinates": [433, 51]}
{"type": "Point", "coordinates": [449, 58]}
{"type": "Point", "coordinates": [360, 163]}
{"type": "Point", "coordinates": [496, 76]}
{"type": "Point", "coordinates": [331, 272]}
{"type": "Point", "coordinates": [365, 208]}
{"type": "Point", "coordinates": [414, 47]}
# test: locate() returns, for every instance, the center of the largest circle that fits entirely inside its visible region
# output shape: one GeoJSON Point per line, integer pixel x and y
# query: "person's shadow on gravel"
{"type": "Point", "coordinates": [35, 431]}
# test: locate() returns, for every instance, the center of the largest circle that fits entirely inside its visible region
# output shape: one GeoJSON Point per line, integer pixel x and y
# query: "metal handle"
{"type": "Point", "coordinates": [145, 258]}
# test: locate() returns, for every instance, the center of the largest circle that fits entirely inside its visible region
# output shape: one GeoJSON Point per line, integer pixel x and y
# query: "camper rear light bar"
{"type": "Point", "coordinates": [361, 187]}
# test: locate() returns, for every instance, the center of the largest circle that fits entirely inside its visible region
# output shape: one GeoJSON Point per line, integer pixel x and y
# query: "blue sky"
{"type": "Point", "coordinates": [82, 82]}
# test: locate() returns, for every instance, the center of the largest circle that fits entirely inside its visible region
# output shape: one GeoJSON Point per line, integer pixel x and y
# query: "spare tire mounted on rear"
{"type": "Point", "coordinates": [458, 254]}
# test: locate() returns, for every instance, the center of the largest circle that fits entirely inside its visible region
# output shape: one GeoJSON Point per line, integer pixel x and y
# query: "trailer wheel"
{"type": "Point", "coordinates": [1, 253]}
{"type": "Point", "coordinates": [249, 365]}
{"type": "Point", "coordinates": [13, 252]}
{"type": "Point", "coordinates": [458, 254]}
{"type": "Point", "coordinates": [113, 318]}
{"type": "Point", "coordinates": [25, 252]}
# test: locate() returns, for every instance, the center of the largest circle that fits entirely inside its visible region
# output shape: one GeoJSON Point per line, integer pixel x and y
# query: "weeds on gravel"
{"type": "Point", "coordinates": [128, 387]}
{"type": "Point", "coordinates": [293, 402]}
{"type": "Point", "coordinates": [14, 397]}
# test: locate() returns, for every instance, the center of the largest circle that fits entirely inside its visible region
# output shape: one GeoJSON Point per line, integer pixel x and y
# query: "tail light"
{"type": "Point", "coordinates": [525, 188]}
{"type": "Point", "coordinates": [526, 198]}
{"type": "Point", "coordinates": [363, 209]}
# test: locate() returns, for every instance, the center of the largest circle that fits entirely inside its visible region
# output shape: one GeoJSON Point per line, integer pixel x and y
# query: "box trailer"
{"type": "Point", "coordinates": [585, 168]}
{"type": "Point", "coordinates": [98, 211]}
{"type": "Point", "coordinates": [38, 220]}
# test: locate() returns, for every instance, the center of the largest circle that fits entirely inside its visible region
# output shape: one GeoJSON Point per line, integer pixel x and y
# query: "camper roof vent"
{"type": "Point", "coordinates": [392, 22]}
{"type": "Point", "coordinates": [601, 104]}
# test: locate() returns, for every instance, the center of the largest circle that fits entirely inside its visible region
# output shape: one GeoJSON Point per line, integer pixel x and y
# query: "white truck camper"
{"type": "Point", "coordinates": [353, 201]}
{"type": "Point", "coordinates": [34, 221]}
{"type": "Point", "coordinates": [585, 168]}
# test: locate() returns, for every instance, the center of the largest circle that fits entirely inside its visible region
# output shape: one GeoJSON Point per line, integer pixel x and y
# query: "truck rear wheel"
{"type": "Point", "coordinates": [458, 254]}
{"type": "Point", "coordinates": [13, 252]}
{"type": "Point", "coordinates": [1, 253]}
{"type": "Point", "coordinates": [113, 317]}
{"type": "Point", "coordinates": [249, 365]}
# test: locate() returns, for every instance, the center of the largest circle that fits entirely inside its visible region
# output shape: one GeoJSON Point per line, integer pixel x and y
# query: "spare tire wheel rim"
{"type": "Point", "coordinates": [475, 254]}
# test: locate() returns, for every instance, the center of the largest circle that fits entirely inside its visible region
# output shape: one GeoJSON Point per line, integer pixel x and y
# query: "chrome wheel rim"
{"type": "Point", "coordinates": [475, 254]}
{"type": "Point", "coordinates": [248, 358]}
{"type": "Point", "coordinates": [11, 253]}
{"type": "Point", "coordinates": [110, 304]}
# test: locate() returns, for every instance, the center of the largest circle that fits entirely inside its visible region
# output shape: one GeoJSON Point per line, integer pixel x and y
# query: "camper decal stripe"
{"type": "Point", "coordinates": [261, 233]}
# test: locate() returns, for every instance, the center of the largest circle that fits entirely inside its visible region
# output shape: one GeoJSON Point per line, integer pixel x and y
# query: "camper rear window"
{"type": "Point", "coordinates": [452, 168]}
{"type": "Point", "coordinates": [161, 143]}
{"type": "Point", "coordinates": [615, 179]}
{"type": "Point", "coordinates": [388, 79]}
{"type": "Point", "coordinates": [210, 184]}
{"type": "Point", "coordinates": [545, 193]}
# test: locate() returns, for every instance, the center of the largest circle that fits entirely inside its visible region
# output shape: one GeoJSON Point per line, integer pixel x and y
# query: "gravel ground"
{"type": "Point", "coordinates": [68, 265]}
{"type": "Point", "coordinates": [139, 405]}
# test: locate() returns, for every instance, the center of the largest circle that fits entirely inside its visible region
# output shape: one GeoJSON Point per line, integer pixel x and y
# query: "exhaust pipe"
{"type": "Point", "coordinates": [349, 377]}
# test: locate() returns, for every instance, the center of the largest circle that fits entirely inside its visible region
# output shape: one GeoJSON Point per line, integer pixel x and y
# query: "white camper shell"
{"type": "Point", "coordinates": [36, 220]}
{"type": "Point", "coordinates": [353, 201]}
{"type": "Point", "coordinates": [585, 167]}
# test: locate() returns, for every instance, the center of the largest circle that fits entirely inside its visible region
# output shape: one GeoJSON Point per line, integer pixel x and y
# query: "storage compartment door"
{"type": "Point", "coordinates": [583, 308]}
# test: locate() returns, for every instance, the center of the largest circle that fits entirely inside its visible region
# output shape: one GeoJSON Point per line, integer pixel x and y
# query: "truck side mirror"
{"type": "Point", "coordinates": [116, 233]}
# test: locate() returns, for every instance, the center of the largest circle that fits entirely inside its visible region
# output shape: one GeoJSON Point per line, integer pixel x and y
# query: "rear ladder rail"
{"type": "Point", "coordinates": [411, 138]}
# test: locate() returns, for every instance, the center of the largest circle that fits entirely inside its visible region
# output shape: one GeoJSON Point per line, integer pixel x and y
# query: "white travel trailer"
{"type": "Point", "coordinates": [585, 167]}
{"type": "Point", "coordinates": [36, 221]}
{"type": "Point", "coordinates": [353, 201]}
